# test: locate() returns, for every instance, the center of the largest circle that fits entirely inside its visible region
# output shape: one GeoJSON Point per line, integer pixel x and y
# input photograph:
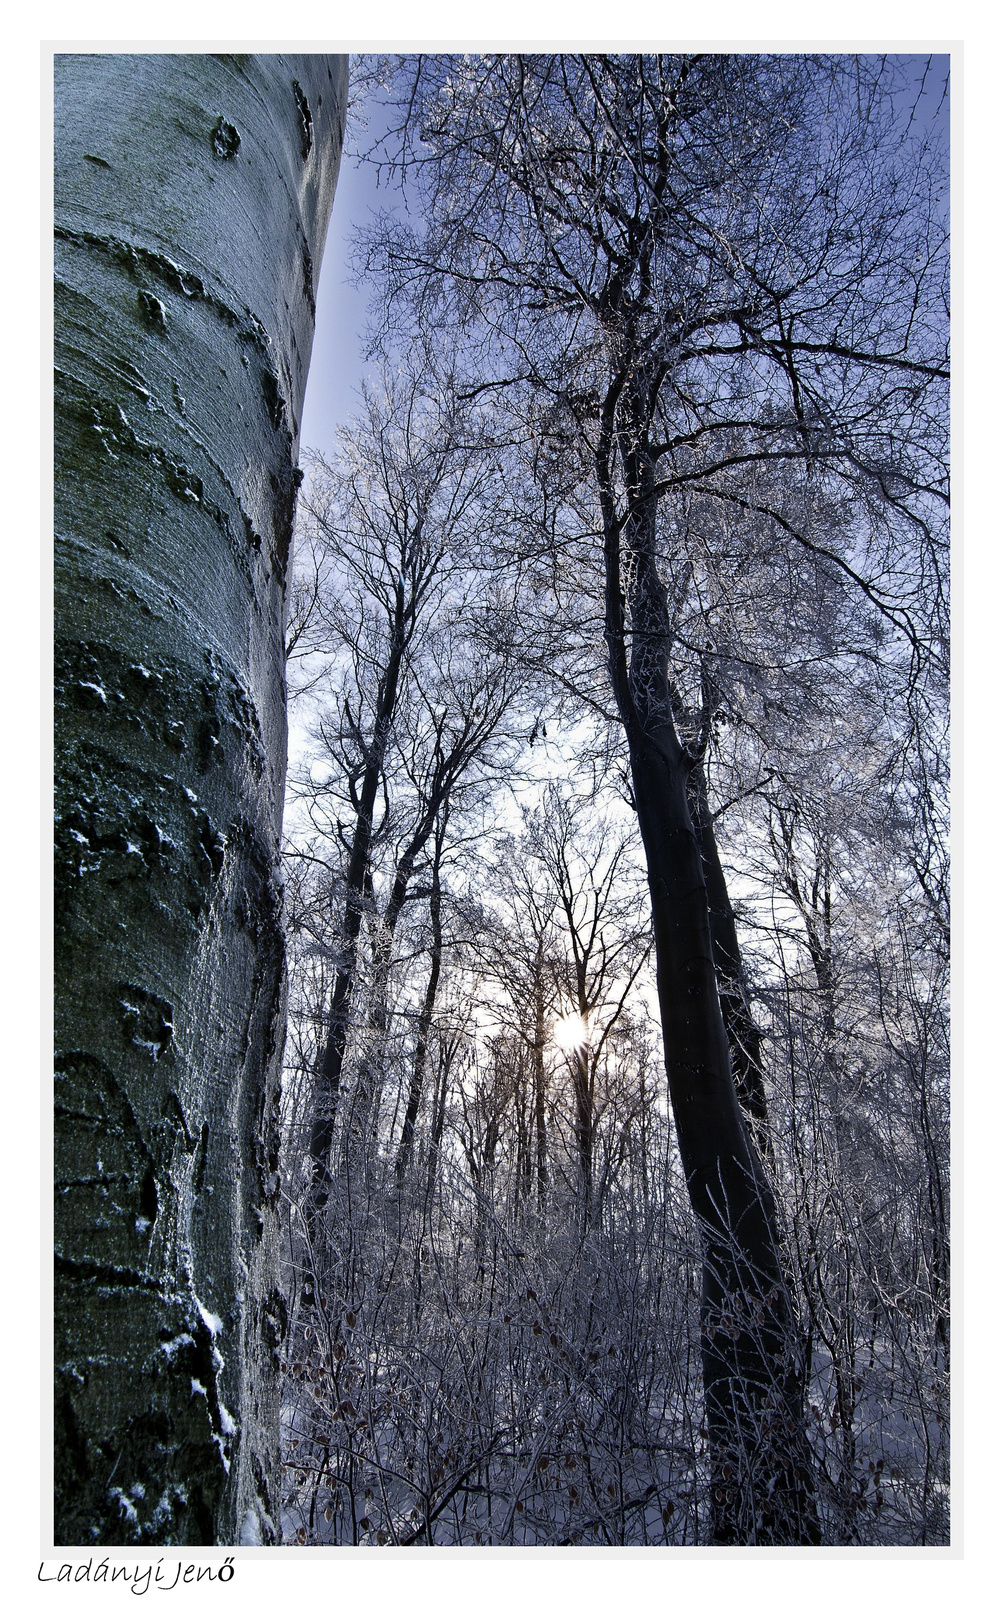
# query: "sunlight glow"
{"type": "Point", "coordinates": [570, 1032]}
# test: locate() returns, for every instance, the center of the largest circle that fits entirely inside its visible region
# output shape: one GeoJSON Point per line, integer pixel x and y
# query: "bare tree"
{"type": "Point", "coordinates": [392, 516]}
{"type": "Point", "coordinates": [605, 947]}
{"type": "Point", "coordinates": [614, 233]}
{"type": "Point", "coordinates": [697, 306]}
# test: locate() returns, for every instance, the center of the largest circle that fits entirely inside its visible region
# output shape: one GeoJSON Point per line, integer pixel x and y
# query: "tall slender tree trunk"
{"type": "Point", "coordinates": [425, 1017]}
{"type": "Point", "coordinates": [761, 1489]}
{"type": "Point", "coordinates": [331, 1057]}
{"type": "Point", "coordinates": [446, 1057]}
{"type": "Point", "coordinates": [366, 1107]}
{"type": "Point", "coordinates": [583, 1090]}
{"type": "Point", "coordinates": [743, 1033]}
{"type": "Point", "coordinates": [539, 1084]}
{"type": "Point", "coordinates": [192, 199]}
{"type": "Point", "coordinates": [750, 1350]}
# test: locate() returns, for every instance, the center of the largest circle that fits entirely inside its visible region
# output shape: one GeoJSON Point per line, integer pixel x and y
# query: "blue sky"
{"type": "Point", "coordinates": [336, 364]}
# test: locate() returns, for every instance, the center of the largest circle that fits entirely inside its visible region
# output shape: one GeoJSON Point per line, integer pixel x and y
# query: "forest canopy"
{"type": "Point", "coordinates": [616, 1085]}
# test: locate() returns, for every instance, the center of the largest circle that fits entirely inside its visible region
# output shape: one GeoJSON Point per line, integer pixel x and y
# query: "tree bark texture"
{"type": "Point", "coordinates": [192, 199]}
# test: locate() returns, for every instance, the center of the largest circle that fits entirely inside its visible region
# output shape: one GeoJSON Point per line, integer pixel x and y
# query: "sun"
{"type": "Point", "coordinates": [570, 1032]}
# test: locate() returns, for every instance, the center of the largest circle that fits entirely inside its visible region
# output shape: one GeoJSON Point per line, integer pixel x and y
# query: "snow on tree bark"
{"type": "Point", "coordinates": [192, 198]}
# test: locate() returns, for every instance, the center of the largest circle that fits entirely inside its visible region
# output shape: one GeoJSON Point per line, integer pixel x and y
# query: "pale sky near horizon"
{"type": "Point", "coordinates": [336, 364]}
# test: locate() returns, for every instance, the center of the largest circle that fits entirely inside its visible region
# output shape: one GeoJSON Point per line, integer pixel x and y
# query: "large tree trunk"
{"type": "Point", "coordinates": [192, 199]}
{"type": "Point", "coordinates": [750, 1352]}
{"type": "Point", "coordinates": [761, 1490]}
{"type": "Point", "coordinates": [743, 1033]}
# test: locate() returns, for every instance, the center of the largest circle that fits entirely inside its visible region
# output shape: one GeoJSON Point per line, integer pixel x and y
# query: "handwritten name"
{"type": "Point", "coordinates": [141, 1580]}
